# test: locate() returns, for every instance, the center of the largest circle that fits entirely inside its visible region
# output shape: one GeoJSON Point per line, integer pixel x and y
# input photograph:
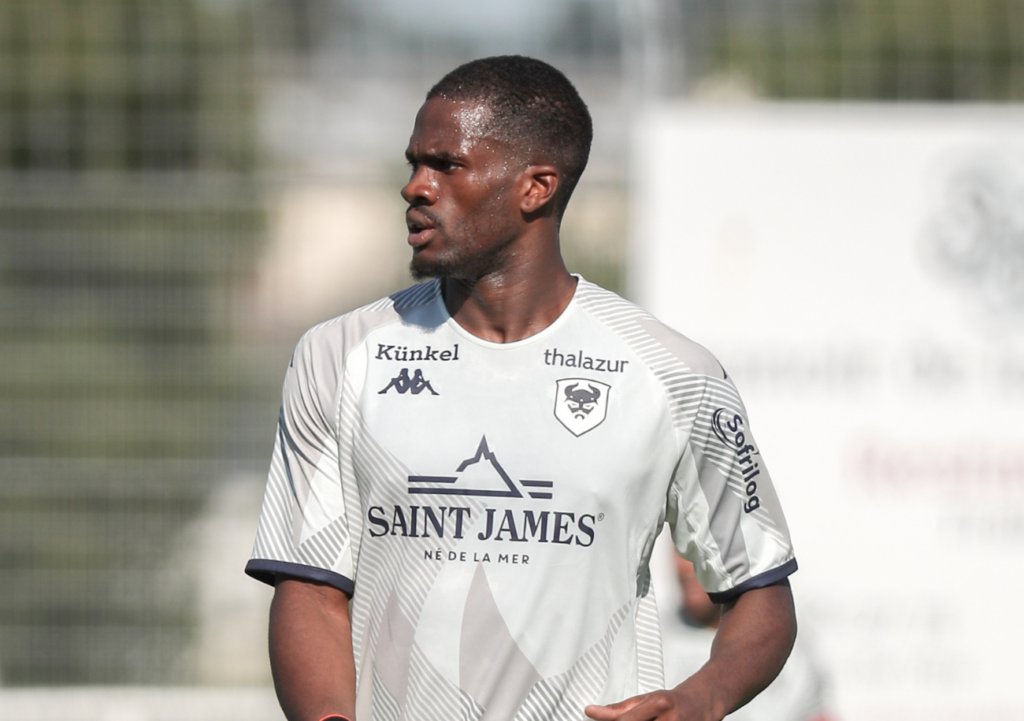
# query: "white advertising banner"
{"type": "Point", "coordinates": [859, 272]}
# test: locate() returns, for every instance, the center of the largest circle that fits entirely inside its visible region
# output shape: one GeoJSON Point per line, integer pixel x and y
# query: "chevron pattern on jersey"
{"type": "Point", "coordinates": [385, 707]}
{"type": "Point", "coordinates": [346, 422]}
{"type": "Point", "coordinates": [692, 396]}
{"type": "Point", "coordinates": [391, 566]}
{"type": "Point", "coordinates": [416, 295]}
{"type": "Point", "coordinates": [428, 695]}
{"type": "Point", "coordinates": [432, 696]}
{"type": "Point", "coordinates": [650, 662]}
{"type": "Point", "coordinates": [323, 548]}
{"type": "Point", "coordinates": [685, 389]}
{"type": "Point", "coordinates": [548, 703]}
{"type": "Point", "coordinates": [272, 542]}
{"type": "Point", "coordinates": [562, 697]}
{"type": "Point", "coordinates": [275, 529]}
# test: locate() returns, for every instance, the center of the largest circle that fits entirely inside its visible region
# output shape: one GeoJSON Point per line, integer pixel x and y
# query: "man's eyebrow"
{"type": "Point", "coordinates": [436, 155]}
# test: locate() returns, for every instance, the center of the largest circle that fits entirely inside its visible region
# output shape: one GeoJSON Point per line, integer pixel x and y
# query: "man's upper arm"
{"type": "Point", "coordinates": [311, 649]}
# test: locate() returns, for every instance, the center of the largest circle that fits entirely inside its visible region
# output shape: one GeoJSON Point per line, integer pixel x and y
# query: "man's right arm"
{"type": "Point", "coordinates": [311, 650]}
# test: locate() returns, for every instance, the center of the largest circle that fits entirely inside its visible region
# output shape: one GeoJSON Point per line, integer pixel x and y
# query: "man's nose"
{"type": "Point", "coordinates": [420, 190]}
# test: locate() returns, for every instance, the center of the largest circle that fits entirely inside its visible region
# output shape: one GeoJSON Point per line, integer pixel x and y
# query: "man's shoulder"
{"type": "Point", "coordinates": [343, 333]}
{"type": "Point", "coordinates": [655, 341]}
{"type": "Point", "coordinates": [690, 353]}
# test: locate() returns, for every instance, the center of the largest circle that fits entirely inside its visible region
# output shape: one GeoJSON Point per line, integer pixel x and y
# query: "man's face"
{"type": "Point", "coordinates": [462, 214]}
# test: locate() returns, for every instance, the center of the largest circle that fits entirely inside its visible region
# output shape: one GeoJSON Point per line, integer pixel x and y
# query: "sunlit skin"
{"type": "Point", "coordinates": [484, 219]}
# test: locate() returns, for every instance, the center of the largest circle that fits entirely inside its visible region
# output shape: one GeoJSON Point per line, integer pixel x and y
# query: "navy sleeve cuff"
{"type": "Point", "coordinates": [266, 571]}
{"type": "Point", "coordinates": [768, 578]}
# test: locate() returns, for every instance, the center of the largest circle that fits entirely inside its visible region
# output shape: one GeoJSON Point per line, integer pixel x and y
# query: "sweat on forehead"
{"type": "Point", "coordinates": [463, 126]}
{"type": "Point", "coordinates": [475, 119]}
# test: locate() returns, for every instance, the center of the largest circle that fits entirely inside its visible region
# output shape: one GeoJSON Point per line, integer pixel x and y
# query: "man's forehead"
{"type": "Point", "coordinates": [450, 122]}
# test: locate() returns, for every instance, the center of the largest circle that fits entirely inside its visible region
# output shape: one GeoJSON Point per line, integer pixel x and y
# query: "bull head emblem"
{"type": "Point", "coordinates": [581, 400]}
{"type": "Point", "coordinates": [581, 404]}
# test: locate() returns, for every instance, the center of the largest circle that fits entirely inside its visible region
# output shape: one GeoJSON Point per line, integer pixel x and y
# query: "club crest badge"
{"type": "Point", "coordinates": [581, 404]}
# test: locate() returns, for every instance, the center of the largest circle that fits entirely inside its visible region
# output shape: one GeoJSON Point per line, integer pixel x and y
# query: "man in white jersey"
{"type": "Point", "coordinates": [470, 474]}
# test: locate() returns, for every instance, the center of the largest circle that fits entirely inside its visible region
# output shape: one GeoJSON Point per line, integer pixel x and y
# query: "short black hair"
{"type": "Point", "coordinates": [534, 108]}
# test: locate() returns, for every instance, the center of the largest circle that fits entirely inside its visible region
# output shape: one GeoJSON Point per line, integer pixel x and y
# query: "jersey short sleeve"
{"type": "Point", "coordinates": [722, 507]}
{"type": "Point", "coordinates": [303, 530]}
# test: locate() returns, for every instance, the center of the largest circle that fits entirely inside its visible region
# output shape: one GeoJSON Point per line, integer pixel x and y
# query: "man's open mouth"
{"type": "Point", "coordinates": [420, 227]}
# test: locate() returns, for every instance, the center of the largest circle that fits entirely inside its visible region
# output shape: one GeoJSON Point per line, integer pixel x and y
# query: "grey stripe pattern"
{"type": "Point", "coordinates": [325, 546]}
{"type": "Point", "coordinates": [693, 394]}
{"type": "Point", "coordinates": [392, 566]}
{"type": "Point", "coordinates": [415, 296]}
{"type": "Point", "coordinates": [301, 492]}
{"type": "Point", "coordinates": [433, 697]}
{"type": "Point", "coordinates": [275, 524]}
{"type": "Point", "coordinates": [562, 697]}
{"type": "Point", "coordinates": [389, 556]}
{"type": "Point", "coordinates": [281, 514]}
{"type": "Point", "coordinates": [650, 662]}
{"type": "Point", "coordinates": [627, 321]}
{"type": "Point", "coordinates": [385, 707]}
{"type": "Point", "coordinates": [346, 421]}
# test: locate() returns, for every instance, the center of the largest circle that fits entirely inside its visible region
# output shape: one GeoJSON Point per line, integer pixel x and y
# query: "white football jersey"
{"type": "Point", "coordinates": [491, 507]}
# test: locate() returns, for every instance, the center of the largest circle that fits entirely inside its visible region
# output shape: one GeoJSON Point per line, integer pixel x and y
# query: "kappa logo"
{"type": "Point", "coordinates": [581, 405]}
{"type": "Point", "coordinates": [489, 479]}
{"type": "Point", "coordinates": [404, 384]}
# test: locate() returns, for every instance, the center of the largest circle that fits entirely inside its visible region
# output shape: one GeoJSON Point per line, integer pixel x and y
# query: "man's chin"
{"type": "Point", "coordinates": [424, 268]}
{"type": "Point", "coordinates": [470, 269]}
{"type": "Point", "coordinates": [421, 269]}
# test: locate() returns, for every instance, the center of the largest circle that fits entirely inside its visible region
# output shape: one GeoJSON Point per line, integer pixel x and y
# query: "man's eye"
{"type": "Point", "coordinates": [436, 164]}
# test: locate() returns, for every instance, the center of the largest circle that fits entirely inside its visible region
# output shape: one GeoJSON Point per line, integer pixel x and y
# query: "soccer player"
{"type": "Point", "coordinates": [481, 551]}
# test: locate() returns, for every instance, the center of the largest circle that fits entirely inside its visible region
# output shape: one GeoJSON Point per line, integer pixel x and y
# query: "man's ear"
{"type": "Point", "coordinates": [540, 184]}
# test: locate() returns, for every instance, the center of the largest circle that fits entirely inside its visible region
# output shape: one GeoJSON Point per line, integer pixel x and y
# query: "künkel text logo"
{"type": "Point", "coordinates": [731, 434]}
{"type": "Point", "coordinates": [408, 355]}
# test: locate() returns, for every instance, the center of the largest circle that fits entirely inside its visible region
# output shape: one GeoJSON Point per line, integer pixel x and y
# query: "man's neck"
{"type": "Point", "coordinates": [515, 303]}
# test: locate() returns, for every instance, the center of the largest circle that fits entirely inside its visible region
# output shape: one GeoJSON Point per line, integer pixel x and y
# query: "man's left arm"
{"type": "Point", "coordinates": [752, 644]}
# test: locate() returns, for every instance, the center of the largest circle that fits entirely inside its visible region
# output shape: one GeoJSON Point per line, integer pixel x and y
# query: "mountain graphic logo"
{"type": "Point", "coordinates": [480, 475]}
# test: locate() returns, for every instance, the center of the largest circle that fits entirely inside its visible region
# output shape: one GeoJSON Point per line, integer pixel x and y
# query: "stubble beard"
{"type": "Point", "coordinates": [460, 260]}
{"type": "Point", "coordinates": [467, 264]}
